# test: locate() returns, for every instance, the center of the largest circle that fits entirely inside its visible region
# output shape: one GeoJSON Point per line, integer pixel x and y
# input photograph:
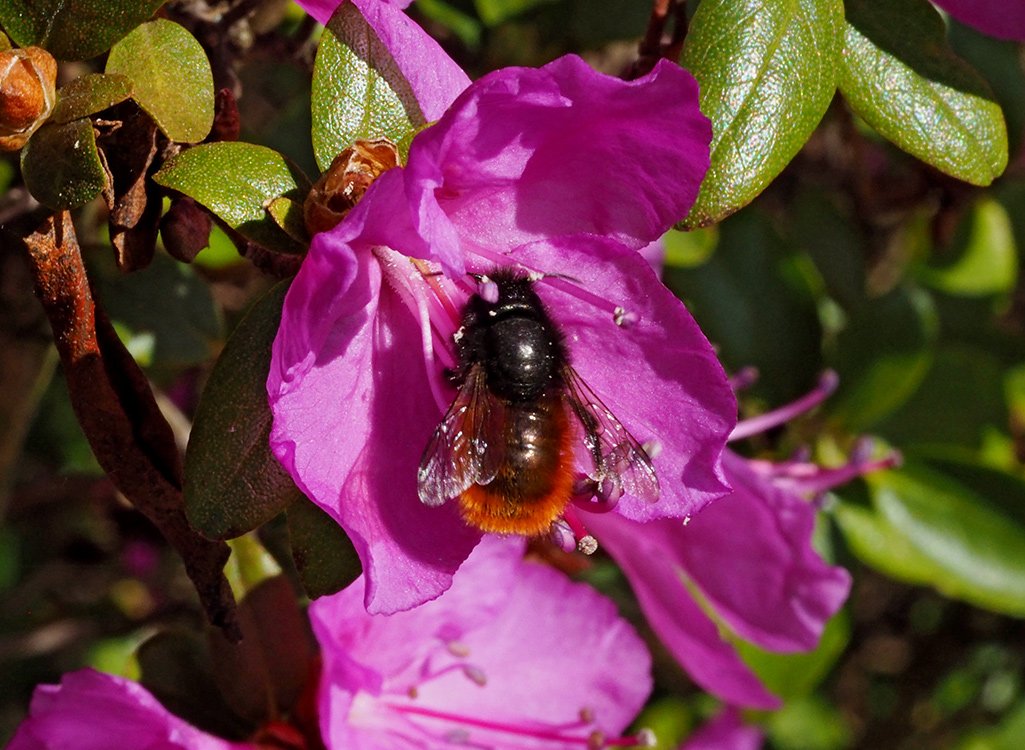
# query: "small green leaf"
{"type": "Point", "coordinates": [932, 529]}
{"type": "Point", "coordinates": [986, 259]}
{"type": "Point", "coordinates": [882, 356]}
{"type": "Point", "coordinates": [232, 481]}
{"type": "Point", "coordinates": [899, 75]}
{"type": "Point", "coordinates": [236, 181]}
{"type": "Point", "coordinates": [494, 12]}
{"type": "Point", "coordinates": [288, 214]}
{"type": "Point", "coordinates": [358, 90]}
{"type": "Point", "coordinates": [73, 29]}
{"type": "Point", "coordinates": [61, 165]}
{"type": "Point", "coordinates": [90, 94]}
{"type": "Point", "coordinates": [767, 72]}
{"type": "Point", "coordinates": [171, 77]}
{"type": "Point", "coordinates": [325, 558]}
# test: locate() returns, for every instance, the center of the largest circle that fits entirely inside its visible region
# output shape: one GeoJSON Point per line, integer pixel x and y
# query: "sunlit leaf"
{"type": "Point", "coordinates": [767, 72]}
{"type": "Point", "coordinates": [901, 77]}
{"type": "Point", "coordinates": [171, 78]}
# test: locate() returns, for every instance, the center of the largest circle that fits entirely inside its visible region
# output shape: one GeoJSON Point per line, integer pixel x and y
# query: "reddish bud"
{"type": "Point", "coordinates": [28, 79]}
{"type": "Point", "coordinates": [345, 181]}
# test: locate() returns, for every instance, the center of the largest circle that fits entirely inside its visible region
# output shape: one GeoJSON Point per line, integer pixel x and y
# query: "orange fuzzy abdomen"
{"type": "Point", "coordinates": [535, 476]}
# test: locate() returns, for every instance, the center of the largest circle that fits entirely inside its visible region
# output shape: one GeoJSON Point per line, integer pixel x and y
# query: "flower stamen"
{"type": "Point", "coordinates": [755, 425]}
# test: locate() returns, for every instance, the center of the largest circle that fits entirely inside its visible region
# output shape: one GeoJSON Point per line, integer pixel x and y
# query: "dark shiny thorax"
{"type": "Point", "coordinates": [515, 340]}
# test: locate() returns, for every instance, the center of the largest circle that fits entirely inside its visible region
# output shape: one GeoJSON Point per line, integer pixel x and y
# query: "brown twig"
{"type": "Point", "coordinates": [652, 47]}
{"type": "Point", "coordinates": [116, 409]}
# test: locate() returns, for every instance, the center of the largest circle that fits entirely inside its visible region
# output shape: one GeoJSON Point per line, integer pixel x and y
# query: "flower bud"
{"type": "Point", "coordinates": [28, 79]}
{"type": "Point", "coordinates": [345, 181]}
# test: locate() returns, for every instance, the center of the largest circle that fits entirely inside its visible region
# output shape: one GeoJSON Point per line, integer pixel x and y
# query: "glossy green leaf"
{"type": "Point", "coordinates": [767, 72]}
{"type": "Point", "coordinates": [90, 94]}
{"type": "Point", "coordinates": [899, 75]}
{"type": "Point", "coordinates": [986, 259]}
{"type": "Point", "coordinates": [171, 78]}
{"type": "Point", "coordinates": [929, 528]}
{"type": "Point", "coordinates": [73, 29]}
{"type": "Point", "coordinates": [358, 90]}
{"type": "Point", "coordinates": [61, 165]}
{"type": "Point", "coordinates": [232, 481]}
{"type": "Point", "coordinates": [882, 356]}
{"type": "Point", "coordinates": [325, 558]}
{"type": "Point", "coordinates": [236, 181]}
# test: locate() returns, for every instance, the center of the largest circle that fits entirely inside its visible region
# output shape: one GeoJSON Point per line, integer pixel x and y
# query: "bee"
{"type": "Point", "coordinates": [522, 421]}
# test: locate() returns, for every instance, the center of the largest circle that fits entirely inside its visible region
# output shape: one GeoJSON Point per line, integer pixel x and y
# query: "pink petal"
{"type": "Point", "coordinates": [751, 555]}
{"type": "Point", "coordinates": [658, 375]}
{"type": "Point", "coordinates": [579, 654]}
{"type": "Point", "coordinates": [646, 553]}
{"type": "Point", "coordinates": [725, 732]}
{"type": "Point", "coordinates": [352, 412]}
{"type": "Point", "coordinates": [94, 711]}
{"type": "Point", "coordinates": [531, 153]}
{"type": "Point", "coordinates": [1004, 19]}
{"type": "Point", "coordinates": [434, 78]}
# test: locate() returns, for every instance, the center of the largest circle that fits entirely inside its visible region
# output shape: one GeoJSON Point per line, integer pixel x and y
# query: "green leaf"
{"type": "Point", "coordinates": [986, 259]}
{"type": "Point", "coordinates": [929, 528]}
{"type": "Point", "coordinates": [882, 356]}
{"type": "Point", "coordinates": [325, 558]}
{"type": "Point", "coordinates": [745, 297]}
{"type": "Point", "coordinates": [61, 165]}
{"type": "Point", "coordinates": [899, 75]}
{"type": "Point", "coordinates": [73, 29]}
{"type": "Point", "coordinates": [232, 481]}
{"type": "Point", "coordinates": [171, 77]}
{"type": "Point", "coordinates": [166, 303]}
{"type": "Point", "coordinates": [288, 214]}
{"type": "Point", "coordinates": [176, 669]}
{"type": "Point", "coordinates": [494, 12]}
{"type": "Point", "coordinates": [797, 674]}
{"type": "Point", "coordinates": [90, 94]}
{"type": "Point", "coordinates": [358, 90]}
{"type": "Point", "coordinates": [767, 72]}
{"type": "Point", "coordinates": [237, 181]}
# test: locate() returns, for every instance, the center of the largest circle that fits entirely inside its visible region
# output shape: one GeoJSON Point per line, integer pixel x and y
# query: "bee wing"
{"type": "Point", "coordinates": [615, 453]}
{"type": "Point", "coordinates": [457, 455]}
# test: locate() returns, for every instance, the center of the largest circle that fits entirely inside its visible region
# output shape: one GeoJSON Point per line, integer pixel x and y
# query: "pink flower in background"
{"type": "Point", "coordinates": [561, 172]}
{"type": "Point", "coordinates": [1004, 19]}
{"type": "Point", "coordinates": [94, 711]}
{"type": "Point", "coordinates": [514, 655]}
{"type": "Point", "coordinates": [750, 557]}
{"type": "Point", "coordinates": [725, 732]}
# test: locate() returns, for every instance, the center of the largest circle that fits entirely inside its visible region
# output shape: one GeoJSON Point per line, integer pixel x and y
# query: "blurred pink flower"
{"type": "Point", "coordinates": [725, 732]}
{"type": "Point", "coordinates": [748, 556]}
{"type": "Point", "coordinates": [1004, 19]}
{"type": "Point", "coordinates": [514, 655]}
{"type": "Point", "coordinates": [559, 171]}
{"type": "Point", "coordinates": [322, 9]}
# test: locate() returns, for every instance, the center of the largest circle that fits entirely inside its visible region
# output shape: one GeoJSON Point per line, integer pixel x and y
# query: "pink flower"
{"type": "Point", "coordinates": [1004, 19]}
{"type": "Point", "coordinates": [750, 557]}
{"type": "Point", "coordinates": [725, 732]}
{"type": "Point", "coordinates": [514, 655]}
{"type": "Point", "coordinates": [322, 9]}
{"type": "Point", "coordinates": [94, 711]}
{"type": "Point", "coordinates": [559, 172]}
